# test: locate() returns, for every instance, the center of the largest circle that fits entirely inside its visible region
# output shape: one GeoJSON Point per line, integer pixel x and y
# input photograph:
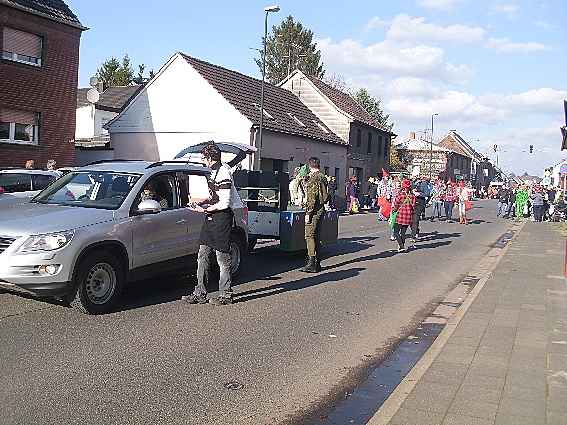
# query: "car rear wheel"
{"type": "Point", "coordinates": [99, 280]}
{"type": "Point", "coordinates": [237, 253]}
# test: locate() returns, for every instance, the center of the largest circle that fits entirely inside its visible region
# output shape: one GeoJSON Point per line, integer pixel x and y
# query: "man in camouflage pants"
{"type": "Point", "coordinates": [314, 206]}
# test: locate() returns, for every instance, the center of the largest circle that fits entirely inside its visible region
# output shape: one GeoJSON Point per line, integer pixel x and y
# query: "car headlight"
{"type": "Point", "coordinates": [49, 242]}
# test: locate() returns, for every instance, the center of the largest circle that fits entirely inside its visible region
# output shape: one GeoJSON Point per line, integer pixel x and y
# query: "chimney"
{"type": "Point", "coordinates": [412, 135]}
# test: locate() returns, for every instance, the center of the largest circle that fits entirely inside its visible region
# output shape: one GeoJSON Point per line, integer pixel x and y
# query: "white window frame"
{"type": "Point", "coordinates": [15, 57]}
{"type": "Point", "coordinates": [12, 136]}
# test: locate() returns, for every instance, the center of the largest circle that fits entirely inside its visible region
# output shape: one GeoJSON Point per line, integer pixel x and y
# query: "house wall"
{"type": "Point", "coordinates": [459, 162]}
{"type": "Point", "coordinates": [50, 90]}
{"type": "Point", "coordinates": [371, 164]}
{"type": "Point", "coordinates": [84, 119]}
{"type": "Point", "coordinates": [102, 117]}
{"type": "Point", "coordinates": [176, 109]}
{"type": "Point", "coordinates": [331, 117]}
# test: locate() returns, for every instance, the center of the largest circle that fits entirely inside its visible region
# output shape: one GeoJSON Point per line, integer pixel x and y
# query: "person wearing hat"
{"type": "Point", "coordinates": [404, 205]}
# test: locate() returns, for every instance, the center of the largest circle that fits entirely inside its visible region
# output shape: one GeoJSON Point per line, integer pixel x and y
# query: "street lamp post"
{"type": "Point", "coordinates": [431, 149]}
{"type": "Point", "coordinates": [268, 9]}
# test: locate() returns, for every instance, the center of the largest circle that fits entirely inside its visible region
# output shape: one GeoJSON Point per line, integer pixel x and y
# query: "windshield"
{"type": "Point", "coordinates": [91, 189]}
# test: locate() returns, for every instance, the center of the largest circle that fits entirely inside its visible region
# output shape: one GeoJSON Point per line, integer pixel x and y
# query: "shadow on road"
{"type": "Point", "coordinates": [306, 282]}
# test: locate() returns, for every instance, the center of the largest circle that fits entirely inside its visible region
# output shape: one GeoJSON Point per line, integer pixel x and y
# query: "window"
{"type": "Point", "coordinates": [358, 138]}
{"type": "Point", "coordinates": [321, 126]}
{"type": "Point", "coordinates": [162, 189]}
{"type": "Point", "coordinates": [326, 171]}
{"type": "Point", "coordinates": [297, 120]}
{"type": "Point", "coordinates": [369, 150]}
{"type": "Point", "coordinates": [337, 173]}
{"type": "Point", "coordinates": [266, 114]}
{"type": "Point", "coordinates": [19, 127]}
{"type": "Point", "coordinates": [15, 182]}
{"type": "Point", "coordinates": [41, 181]}
{"type": "Point", "coordinates": [386, 148]}
{"type": "Point", "coordinates": [380, 145]}
{"type": "Point", "coordinates": [20, 46]}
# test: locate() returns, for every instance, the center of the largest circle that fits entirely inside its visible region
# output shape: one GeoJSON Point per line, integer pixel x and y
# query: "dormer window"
{"type": "Point", "coordinates": [267, 115]}
{"type": "Point", "coordinates": [321, 126]}
{"type": "Point", "coordinates": [20, 46]}
{"type": "Point", "coordinates": [297, 120]}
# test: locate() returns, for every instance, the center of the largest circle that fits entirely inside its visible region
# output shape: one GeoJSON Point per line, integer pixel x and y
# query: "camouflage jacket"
{"type": "Point", "coordinates": [316, 195]}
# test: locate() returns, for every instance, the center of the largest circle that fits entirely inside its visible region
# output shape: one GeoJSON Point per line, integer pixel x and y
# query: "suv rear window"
{"type": "Point", "coordinates": [15, 182]}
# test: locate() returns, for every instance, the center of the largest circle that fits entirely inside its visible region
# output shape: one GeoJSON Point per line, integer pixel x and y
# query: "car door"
{"type": "Point", "coordinates": [193, 188]}
{"type": "Point", "coordinates": [160, 237]}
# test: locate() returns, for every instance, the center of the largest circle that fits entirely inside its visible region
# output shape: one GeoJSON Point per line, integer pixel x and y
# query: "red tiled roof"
{"type": "Point", "coordinates": [243, 92]}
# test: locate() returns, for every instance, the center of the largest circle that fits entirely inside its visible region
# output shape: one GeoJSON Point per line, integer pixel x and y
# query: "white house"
{"type": "Point", "coordinates": [190, 101]}
{"type": "Point", "coordinates": [91, 138]}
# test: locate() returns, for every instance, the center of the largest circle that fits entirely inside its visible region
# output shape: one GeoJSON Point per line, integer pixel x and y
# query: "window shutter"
{"type": "Point", "coordinates": [19, 117]}
{"type": "Point", "coordinates": [21, 43]}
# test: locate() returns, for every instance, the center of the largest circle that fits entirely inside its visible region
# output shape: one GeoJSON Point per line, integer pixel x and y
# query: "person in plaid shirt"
{"type": "Point", "coordinates": [404, 204]}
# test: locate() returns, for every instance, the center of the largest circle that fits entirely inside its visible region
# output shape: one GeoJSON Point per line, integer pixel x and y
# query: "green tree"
{"type": "Point", "coordinates": [374, 107]}
{"type": "Point", "coordinates": [290, 46]}
{"type": "Point", "coordinates": [114, 73]}
{"type": "Point", "coordinates": [400, 159]}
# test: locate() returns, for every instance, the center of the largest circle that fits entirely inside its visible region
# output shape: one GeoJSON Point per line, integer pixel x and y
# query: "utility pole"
{"type": "Point", "coordinates": [431, 150]}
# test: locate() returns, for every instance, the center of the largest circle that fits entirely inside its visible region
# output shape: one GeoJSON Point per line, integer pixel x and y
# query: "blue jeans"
{"type": "Point", "coordinates": [203, 267]}
{"type": "Point", "coordinates": [502, 209]}
{"type": "Point", "coordinates": [437, 207]}
{"type": "Point", "coordinates": [449, 209]}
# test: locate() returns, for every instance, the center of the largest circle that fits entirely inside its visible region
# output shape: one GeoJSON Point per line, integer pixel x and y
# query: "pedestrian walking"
{"type": "Point", "coordinates": [372, 193]}
{"type": "Point", "coordinates": [332, 192]}
{"type": "Point", "coordinates": [421, 192]}
{"type": "Point", "coordinates": [215, 233]}
{"type": "Point", "coordinates": [503, 200]}
{"type": "Point", "coordinates": [537, 201]}
{"type": "Point", "coordinates": [352, 195]}
{"type": "Point", "coordinates": [314, 209]}
{"type": "Point", "coordinates": [463, 196]}
{"type": "Point", "coordinates": [403, 209]}
{"type": "Point", "coordinates": [437, 199]}
{"type": "Point", "coordinates": [449, 200]}
{"type": "Point", "coordinates": [522, 198]}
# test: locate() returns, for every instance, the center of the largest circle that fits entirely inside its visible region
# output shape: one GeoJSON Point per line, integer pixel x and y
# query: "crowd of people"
{"type": "Point", "coordinates": [403, 202]}
{"type": "Point", "coordinates": [526, 201]}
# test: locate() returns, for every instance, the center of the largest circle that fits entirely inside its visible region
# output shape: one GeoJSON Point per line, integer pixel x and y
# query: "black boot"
{"type": "Point", "coordinates": [311, 266]}
{"type": "Point", "coordinates": [317, 264]}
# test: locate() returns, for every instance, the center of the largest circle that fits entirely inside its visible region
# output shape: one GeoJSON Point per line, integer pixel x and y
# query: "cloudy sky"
{"type": "Point", "coordinates": [493, 70]}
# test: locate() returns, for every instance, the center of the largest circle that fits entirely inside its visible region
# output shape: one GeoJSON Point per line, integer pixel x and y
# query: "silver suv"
{"type": "Point", "coordinates": [103, 225]}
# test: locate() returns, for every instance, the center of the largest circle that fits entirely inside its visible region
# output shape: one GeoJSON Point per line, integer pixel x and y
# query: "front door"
{"type": "Point", "coordinates": [160, 237]}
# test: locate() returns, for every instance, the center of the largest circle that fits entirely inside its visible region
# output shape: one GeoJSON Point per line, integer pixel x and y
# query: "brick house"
{"type": "Point", "coordinates": [368, 142]}
{"type": "Point", "coordinates": [39, 62]}
{"type": "Point", "coordinates": [442, 162]}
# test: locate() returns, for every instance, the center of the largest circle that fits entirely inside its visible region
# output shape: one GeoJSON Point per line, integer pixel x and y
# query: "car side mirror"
{"type": "Point", "coordinates": [149, 206]}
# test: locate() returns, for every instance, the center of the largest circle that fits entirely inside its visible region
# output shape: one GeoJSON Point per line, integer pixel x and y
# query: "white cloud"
{"type": "Point", "coordinates": [438, 4]}
{"type": "Point", "coordinates": [408, 28]}
{"type": "Point", "coordinates": [411, 87]}
{"type": "Point", "coordinates": [509, 9]}
{"type": "Point", "coordinates": [504, 45]}
{"type": "Point", "coordinates": [546, 25]}
{"type": "Point", "coordinates": [376, 22]}
{"type": "Point", "coordinates": [350, 56]}
{"type": "Point", "coordinates": [542, 100]}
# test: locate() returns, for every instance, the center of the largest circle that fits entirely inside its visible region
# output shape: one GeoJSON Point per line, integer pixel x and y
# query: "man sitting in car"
{"type": "Point", "coordinates": [150, 192]}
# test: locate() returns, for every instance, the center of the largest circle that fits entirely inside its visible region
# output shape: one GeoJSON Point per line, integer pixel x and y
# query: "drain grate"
{"type": "Point", "coordinates": [233, 385]}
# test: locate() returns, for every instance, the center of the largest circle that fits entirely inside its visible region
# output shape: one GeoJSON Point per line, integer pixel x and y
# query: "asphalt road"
{"type": "Point", "coordinates": [291, 341]}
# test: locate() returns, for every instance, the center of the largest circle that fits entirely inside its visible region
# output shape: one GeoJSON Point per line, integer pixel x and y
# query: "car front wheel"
{"type": "Point", "coordinates": [237, 253]}
{"type": "Point", "coordinates": [99, 280]}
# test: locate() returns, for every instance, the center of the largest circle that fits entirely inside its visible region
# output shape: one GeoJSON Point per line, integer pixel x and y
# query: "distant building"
{"type": "Point", "coordinates": [368, 141]}
{"type": "Point", "coordinates": [39, 65]}
{"type": "Point", "coordinates": [92, 140]}
{"type": "Point", "coordinates": [426, 158]}
{"type": "Point", "coordinates": [473, 166]}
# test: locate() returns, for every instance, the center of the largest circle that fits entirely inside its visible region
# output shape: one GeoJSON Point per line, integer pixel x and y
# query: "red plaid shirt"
{"type": "Point", "coordinates": [404, 204]}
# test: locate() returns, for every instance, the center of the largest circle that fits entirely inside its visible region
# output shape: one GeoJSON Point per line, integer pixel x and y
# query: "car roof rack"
{"type": "Point", "coordinates": [158, 163]}
{"type": "Point", "coordinates": [103, 161]}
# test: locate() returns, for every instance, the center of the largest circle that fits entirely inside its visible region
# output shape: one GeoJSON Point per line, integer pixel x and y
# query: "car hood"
{"type": "Point", "coordinates": [32, 218]}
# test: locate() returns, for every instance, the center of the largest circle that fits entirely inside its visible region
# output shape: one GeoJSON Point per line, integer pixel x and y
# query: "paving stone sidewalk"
{"type": "Point", "coordinates": [506, 362]}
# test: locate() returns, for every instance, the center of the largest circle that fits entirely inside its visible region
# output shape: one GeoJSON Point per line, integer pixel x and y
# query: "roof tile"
{"type": "Point", "coordinates": [53, 8]}
{"type": "Point", "coordinates": [243, 92]}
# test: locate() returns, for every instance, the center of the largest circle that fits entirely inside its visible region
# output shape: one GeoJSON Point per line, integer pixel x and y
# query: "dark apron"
{"type": "Point", "coordinates": [216, 230]}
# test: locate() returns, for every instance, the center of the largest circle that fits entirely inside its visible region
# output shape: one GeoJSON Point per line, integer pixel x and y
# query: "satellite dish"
{"type": "Point", "coordinates": [93, 95]}
{"type": "Point", "coordinates": [93, 81]}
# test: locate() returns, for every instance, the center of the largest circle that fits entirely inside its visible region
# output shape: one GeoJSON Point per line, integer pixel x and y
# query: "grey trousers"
{"type": "Point", "coordinates": [204, 265]}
